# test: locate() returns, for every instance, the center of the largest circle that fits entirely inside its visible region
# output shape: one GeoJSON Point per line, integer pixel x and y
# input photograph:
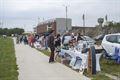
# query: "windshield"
{"type": "Point", "coordinates": [88, 38]}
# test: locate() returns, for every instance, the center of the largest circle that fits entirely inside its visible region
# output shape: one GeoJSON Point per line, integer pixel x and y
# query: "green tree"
{"type": "Point", "coordinates": [8, 32]}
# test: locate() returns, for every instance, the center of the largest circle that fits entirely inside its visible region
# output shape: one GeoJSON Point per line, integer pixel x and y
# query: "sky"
{"type": "Point", "coordinates": [28, 13]}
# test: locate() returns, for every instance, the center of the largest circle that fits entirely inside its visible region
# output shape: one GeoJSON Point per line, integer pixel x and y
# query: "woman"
{"type": "Point", "coordinates": [57, 45]}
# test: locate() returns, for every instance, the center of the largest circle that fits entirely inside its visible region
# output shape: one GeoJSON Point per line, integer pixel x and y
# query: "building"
{"type": "Point", "coordinates": [35, 29]}
{"type": "Point", "coordinates": [60, 25]}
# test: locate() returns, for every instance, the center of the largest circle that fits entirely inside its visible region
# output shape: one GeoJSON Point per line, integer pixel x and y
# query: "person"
{"type": "Point", "coordinates": [65, 39]}
{"type": "Point", "coordinates": [57, 45]}
{"type": "Point", "coordinates": [72, 43]}
{"type": "Point", "coordinates": [46, 41]}
{"type": "Point", "coordinates": [25, 39]}
{"type": "Point", "coordinates": [79, 37]}
{"type": "Point", "coordinates": [21, 38]}
{"type": "Point", "coordinates": [31, 40]}
{"type": "Point", "coordinates": [17, 39]}
{"type": "Point", "coordinates": [51, 45]}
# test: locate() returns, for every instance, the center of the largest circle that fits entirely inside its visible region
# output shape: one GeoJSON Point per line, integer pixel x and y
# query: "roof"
{"type": "Point", "coordinates": [113, 34]}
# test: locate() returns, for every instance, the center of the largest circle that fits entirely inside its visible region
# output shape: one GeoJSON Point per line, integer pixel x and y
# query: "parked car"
{"type": "Point", "coordinates": [89, 40]}
{"type": "Point", "coordinates": [110, 42]}
{"type": "Point", "coordinates": [99, 37]}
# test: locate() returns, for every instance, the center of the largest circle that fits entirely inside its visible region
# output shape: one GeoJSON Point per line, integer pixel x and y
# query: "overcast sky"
{"type": "Point", "coordinates": [25, 13]}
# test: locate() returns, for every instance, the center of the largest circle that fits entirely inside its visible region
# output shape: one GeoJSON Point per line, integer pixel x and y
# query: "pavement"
{"type": "Point", "coordinates": [33, 65]}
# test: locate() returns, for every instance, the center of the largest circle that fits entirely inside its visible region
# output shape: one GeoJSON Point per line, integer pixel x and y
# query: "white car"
{"type": "Point", "coordinates": [88, 40]}
{"type": "Point", "coordinates": [110, 42]}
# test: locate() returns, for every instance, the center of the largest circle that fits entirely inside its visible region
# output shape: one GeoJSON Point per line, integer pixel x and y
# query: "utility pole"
{"type": "Point", "coordinates": [66, 18]}
{"type": "Point", "coordinates": [83, 24]}
{"type": "Point", "coordinates": [24, 26]}
{"type": "Point", "coordinates": [1, 24]}
{"type": "Point", "coordinates": [106, 18]}
{"type": "Point", "coordinates": [66, 11]}
{"type": "Point", "coordinates": [2, 13]}
{"type": "Point", "coordinates": [38, 20]}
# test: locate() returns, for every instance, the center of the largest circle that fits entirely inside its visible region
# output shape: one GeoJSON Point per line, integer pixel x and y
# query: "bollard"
{"type": "Point", "coordinates": [91, 60]}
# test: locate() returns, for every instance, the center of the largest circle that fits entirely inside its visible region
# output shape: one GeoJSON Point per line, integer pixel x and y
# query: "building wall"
{"type": "Point", "coordinates": [61, 24]}
{"type": "Point", "coordinates": [35, 29]}
{"type": "Point", "coordinates": [44, 27]}
{"type": "Point", "coordinates": [41, 28]}
{"type": "Point", "coordinates": [58, 24]}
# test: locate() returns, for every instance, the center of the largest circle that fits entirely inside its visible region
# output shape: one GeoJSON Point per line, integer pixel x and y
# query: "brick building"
{"type": "Point", "coordinates": [57, 24]}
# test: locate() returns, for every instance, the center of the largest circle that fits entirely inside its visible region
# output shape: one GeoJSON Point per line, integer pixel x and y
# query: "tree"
{"type": "Point", "coordinates": [8, 32]}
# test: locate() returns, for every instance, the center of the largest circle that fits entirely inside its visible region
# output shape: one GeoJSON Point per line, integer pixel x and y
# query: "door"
{"type": "Point", "coordinates": [118, 43]}
{"type": "Point", "coordinates": [110, 44]}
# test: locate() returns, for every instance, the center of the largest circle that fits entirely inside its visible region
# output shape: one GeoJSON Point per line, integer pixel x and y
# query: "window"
{"type": "Point", "coordinates": [118, 38]}
{"type": "Point", "coordinates": [112, 38]}
{"type": "Point", "coordinates": [49, 27]}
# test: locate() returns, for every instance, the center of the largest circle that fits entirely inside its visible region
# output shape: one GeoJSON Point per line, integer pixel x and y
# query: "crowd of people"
{"type": "Point", "coordinates": [51, 41]}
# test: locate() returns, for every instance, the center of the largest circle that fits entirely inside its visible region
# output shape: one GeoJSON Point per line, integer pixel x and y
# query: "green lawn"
{"type": "Point", "coordinates": [8, 67]}
{"type": "Point", "coordinates": [100, 76]}
{"type": "Point", "coordinates": [110, 66]}
{"type": "Point", "coordinates": [46, 52]}
{"type": "Point", "coordinates": [107, 66]}
{"type": "Point", "coordinates": [97, 76]}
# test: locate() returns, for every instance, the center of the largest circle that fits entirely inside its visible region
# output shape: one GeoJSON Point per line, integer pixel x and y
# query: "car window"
{"type": "Point", "coordinates": [112, 38]}
{"type": "Point", "coordinates": [89, 39]}
{"type": "Point", "coordinates": [118, 38]}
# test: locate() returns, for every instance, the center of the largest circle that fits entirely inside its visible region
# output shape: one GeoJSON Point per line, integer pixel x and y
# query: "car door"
{"type": "Point", "coordinates": [110, 44]}
{"type": "Point", "coordinates": [118, 43]}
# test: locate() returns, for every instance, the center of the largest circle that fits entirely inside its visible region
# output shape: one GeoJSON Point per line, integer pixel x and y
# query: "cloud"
{"type": "Point", "coordinates": [27, 11]}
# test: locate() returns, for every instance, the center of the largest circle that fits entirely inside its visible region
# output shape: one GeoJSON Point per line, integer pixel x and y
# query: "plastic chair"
{"type": "Point", "coordinates": [77, 59]}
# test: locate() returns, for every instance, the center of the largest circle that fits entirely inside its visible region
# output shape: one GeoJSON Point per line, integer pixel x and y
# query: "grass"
{"type": "Point", "coordinates": [97, 76]}
{"type": "Point", "coordinates": [110, 66]}
{"type": "Point", "coordinates": [46, 52]}
{"type": "Point", "coordinates": [100, 76]}
{"type": "Point", "coordinates": [107, 66]}
{"type": "Point", "coordinates": [8, 67]}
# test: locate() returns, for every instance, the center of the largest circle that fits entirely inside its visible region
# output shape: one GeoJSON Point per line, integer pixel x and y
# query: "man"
{"type": "Point", "coordinates": [51, 45]}
{"type": "Point", "coordinates": [65, 39]}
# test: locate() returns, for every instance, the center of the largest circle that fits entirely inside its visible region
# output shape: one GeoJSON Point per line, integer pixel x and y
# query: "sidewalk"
{"type": "Point", "coordinates": [33, 65]}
